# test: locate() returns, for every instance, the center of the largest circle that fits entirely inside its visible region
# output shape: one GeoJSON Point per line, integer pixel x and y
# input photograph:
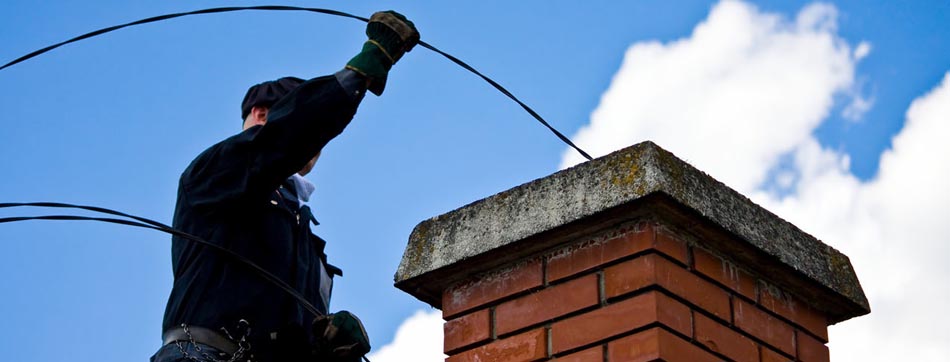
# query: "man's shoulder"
{"type": "Point", "coordinates": [220, 155]}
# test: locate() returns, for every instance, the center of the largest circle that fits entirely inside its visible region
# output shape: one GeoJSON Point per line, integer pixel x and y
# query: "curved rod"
{"type": "Point", "coordinates": [455, 60]}
{"type": "Point", "coordinates": [241, 259]}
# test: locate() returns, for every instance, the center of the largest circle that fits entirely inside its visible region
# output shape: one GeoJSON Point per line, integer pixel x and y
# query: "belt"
{"type": "Point", "coordinates": [201, 335]}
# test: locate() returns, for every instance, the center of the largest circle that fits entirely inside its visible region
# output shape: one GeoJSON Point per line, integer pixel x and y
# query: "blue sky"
{"type": "Point", "coordinates": [113, 120]}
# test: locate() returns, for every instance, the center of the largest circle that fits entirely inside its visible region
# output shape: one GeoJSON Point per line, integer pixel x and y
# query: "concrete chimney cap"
{"type": "Point", "coordinates": [639, 180]}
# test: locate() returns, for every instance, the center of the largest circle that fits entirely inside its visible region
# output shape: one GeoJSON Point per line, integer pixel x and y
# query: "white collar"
{"type": "Point", "coordinates": [303, 187]}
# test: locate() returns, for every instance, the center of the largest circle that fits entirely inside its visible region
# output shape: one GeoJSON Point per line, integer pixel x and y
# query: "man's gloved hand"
{"type": "Point", "coordinates": [390, 36]}
{"type": "Point", "coordinates": [339, 337]}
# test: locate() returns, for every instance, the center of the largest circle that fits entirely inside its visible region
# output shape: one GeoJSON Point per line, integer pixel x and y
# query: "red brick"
{"type": "Point", "coordinates": [618, 318]}
{"type": "Point", "coordinates": [672, 246]}
{"type": "Point", "coordinates": [486, 289]}
{"type": "Point", "coordinates": [528, 346]}
{"type": "Point", "coordinates": [721, 339]}
{"type": "Point", "coordinates": [793, 309]}
{"type": "Point", "coordinates": [811, 349]}
{"type": "Point", "coordinates": [630, 276]}
{"type": "Point", "coordinates": [724, 273]}
{"type": "Point", "coordinates": [656, 345]}
{"type": "Point", "coordinates": [760, 324]}
{"type": "Point", "coordinates": [595, 354]}
{"type": "Point", "coordinates": [466, 330]}
{"type": "Point", "coordinates": [768, 355]}
{"type": "Point", "coordinates": [643, 346]}
{"type": "Point", "coordinates": [590, 255]}
{"type": "Point", "coordinates": [652, 269]}
{"type": "Point", "coordinates": [546, 304]}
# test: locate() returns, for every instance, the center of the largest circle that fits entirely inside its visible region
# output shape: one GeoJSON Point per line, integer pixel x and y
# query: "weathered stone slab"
{"type": "Point", "coordinates": [641, 179]}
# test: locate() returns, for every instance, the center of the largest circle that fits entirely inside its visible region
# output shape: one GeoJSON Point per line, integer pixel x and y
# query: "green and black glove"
{"type": "Point", "coordinates": [339, 337]}
{"type": "Point", "coordinates": [390, 36]}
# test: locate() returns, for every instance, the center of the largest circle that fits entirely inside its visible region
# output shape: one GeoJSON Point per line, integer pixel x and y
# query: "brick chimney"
{"type": "Point", "coordinates": [635, 256]}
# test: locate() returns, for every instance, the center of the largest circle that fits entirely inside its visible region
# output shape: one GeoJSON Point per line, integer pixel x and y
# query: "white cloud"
{"type": "Point", "coordinates": [895, 231]}
{"type": "Point", "coordinates": [859, 104]}
{"type": "Point", "coordinates": [746, 84]}
{"type": "Point", "coordinates": [857, 108]}
{"type": "Point", "coordinates": [746, 90]}
{"type": "Point", "coordinates": [418, 339]}
{"type": "Point", "coordinates": [862, 50]}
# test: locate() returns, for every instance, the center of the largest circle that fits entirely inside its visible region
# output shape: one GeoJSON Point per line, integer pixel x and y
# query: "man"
{"type": "Point", "coordinates": [246, 194]}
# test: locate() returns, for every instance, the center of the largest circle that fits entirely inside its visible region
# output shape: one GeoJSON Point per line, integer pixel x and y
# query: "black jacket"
{"type": "Point", "coordinates": [232, 195]}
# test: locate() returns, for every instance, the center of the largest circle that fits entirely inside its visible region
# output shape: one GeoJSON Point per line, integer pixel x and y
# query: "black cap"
{"type": "Point", "coordinates": [268, 93]}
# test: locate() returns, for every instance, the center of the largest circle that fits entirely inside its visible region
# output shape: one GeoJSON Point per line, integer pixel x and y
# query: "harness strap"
{"type": "Point", "coordinates": [201, 335]}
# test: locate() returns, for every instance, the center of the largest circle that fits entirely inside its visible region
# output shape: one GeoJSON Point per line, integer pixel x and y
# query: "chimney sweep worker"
{"type": "Point", "coordinates": [247, 194]}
